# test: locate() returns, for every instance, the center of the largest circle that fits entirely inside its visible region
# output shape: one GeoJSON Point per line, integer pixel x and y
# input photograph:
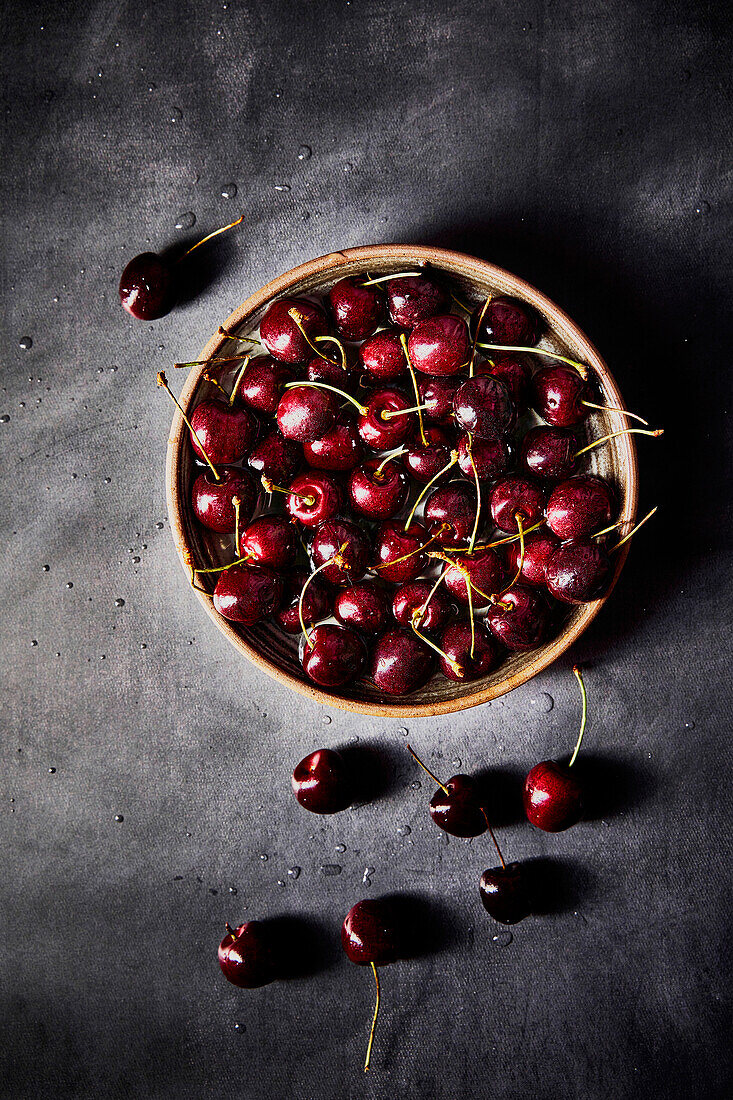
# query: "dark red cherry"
{"type": "Point", "coordinates": [378, 429]}
{"type": "Point", "coordinates": [364, 606]}
{"type": "Point", "coordinates": [413, 299]}
{"type": "Point", "coordinates": [504, 894]}
{"type": "Point", "coordinates": [426, 462]}
{"type": "Point", "coordinates": [409, 601]}
{"type": "Point", "coordinates": [558, 396]}
{"type": "Point", "coordinates": [484, 569]}
{"type": "Point", "coordinates": [321, 782]}
{"type": "Point", "coordinates": [270, 540]}
{"type": "Point", "coordinates": [276, 458]}
{"type": "Point", "coordinates": [148, 287]}
{"type": "Point", "coordinates": [577, 572]}
{"type": "Point", "coordinates": [305, 413]}
{"type": "Point", "coordinates": [483, 407]}
{"type": "Point", "coordinates": [212, 500]}
{"type": "Point", "coordinates": [553, 797]}
{"type": "Point", "coordinates": [316, 602]}
{"type": "Point", "coordinates": [263, 383]}
{"type": "Point", "coordinates": [403, 548]}
{"type": "Point", "coordinates": [457, 809]}
{"type": "Point", "coordinates": [549, 453]}
{"type": "Point", "coordinates": [382, 356]}
{"type": "Point", "coordinates": [247, 956]}
{"type": "Point", "coordinates": [378, 490]}
{"type": "Point", "coordinates": [451, 507]}
{"type": "Point", "coordinates": [436, 395]}
{"type": "Point", "coordinates": [579, 506]}
{"type": "Point", "coordinates": [314, 497]}
{"type": "Point", "coordinates": [281, 335]}
{"type": "Point", "coordinates": [371, 933]}
{"type": "Point", "coordinates": [401, 663]}
{"type": "Point", "coordinates": [247, 593]}
{"type": "Point", "coordinates": [518, 618]}
{"type": "Point", "coordinates": [356, 309]}
{"type": "Point", "coordinates": [513, 496]}
{"type": "Point", "coordinates": [332, 373]}
{"type": "Point", "coordinates": [538, 547]}
{"type": "Point", "coordinates": [351, 561]}
{"type": "Point", "coordinates": [457, 642]}
{"type": "Point", "coordinates": [226, 431]}
{"type": "Point", "coordinates": [491, 457]}
{"type": "Point", "coordinates": [333, 655]}
{"type": "Point", "coordinates": [508, 321]}
{"type": "Point", "coordinates": [440, 345]}
{"type": "Point", "coordinates": [339, 449]}
{"type": "Point", "coordinates": [516, 374]}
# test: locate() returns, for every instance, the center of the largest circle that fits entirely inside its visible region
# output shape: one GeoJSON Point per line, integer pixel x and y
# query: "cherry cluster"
{"type": "Point", "coordinates": [428, 519]}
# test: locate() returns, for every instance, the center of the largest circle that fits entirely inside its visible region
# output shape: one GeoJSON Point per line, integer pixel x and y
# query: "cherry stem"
{"type": "Point", "coordinates": [214, 382]}
{"type": "Point", "coordinates": [216, 233]}
{"type": "Point", "coordinates": [614, 435]}
{"type": "Point", "coordinates": [491, 834]}
{"type": "Point", "coordinates": [339, 345]}
{"type": "Point", "coordinates": [238, 379]}
{"type": "Point", "coordinates": [584, 714]}
{"type": "Point", "coordinates": [616, 409]}
{"type": "Point", "coordinates": [223, 568]}
{"type": "Point", "coordinates": [634, 529]}
{"type": "Point", "coordinates": [392, 414]}
{"type": "Point", "coordinates": [403, 341]}
{"type": "Point", "coordinates": [517, 575]}
{"type": "Point", "coordinates": [325, 386]}
{"type": "Point", "coordinates": [419, 613]}
{"type": "Point", "coordinates": [458, 669]}
{"type": "Point", "coordinates": [581, 369]}
{"type": "Point", "coordinates": [221, 331]}
{"type": "Point", "coordinates": [426, 769]}
{"type": "Point", "coordinates": [370, 1044]}
{"type": "Point", "coordinates": [394, 454]}
{"type": "Point", "coordinates": [469, 583]}
{"type": "Point", "coordinates": [418, 550]}
{"type": "Point", "coordinates": [229, 928]}
{"type": "Point", "coordinates": [472, 540]}
{"type": "Point", "coordinates": [330, 561]}
{"type": "Point", "coordinates": [236, 504]}
{"type": "Point", "coordinates": [386, 278]}
{"type": "Point", "coordinates": [481, 316]}
{"type": "Point", "coordinates": [208, 362]}
{"type": "Point", "coordinates": [469, 593]}
{"type": "Point", "coordinates": [294, 314]}
{"type": "Point", "coordinates": [163, 383]}
{"type": "Point", "coordinates": [512, 538]}
{"type": "Point", "coordinates": [423, 491]}
{"type": "Point", "coordinates": [270, 487]}
{"type": "Point", "coordinates": [460, 304]}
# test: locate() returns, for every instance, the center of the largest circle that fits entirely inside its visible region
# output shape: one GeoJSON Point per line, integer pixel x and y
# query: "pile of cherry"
{"type": "Point", "coordinates": [416, 492]}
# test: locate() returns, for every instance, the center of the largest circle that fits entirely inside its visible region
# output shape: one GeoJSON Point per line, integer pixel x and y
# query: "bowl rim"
{"type": "Point", "coordinates": [470, 267]}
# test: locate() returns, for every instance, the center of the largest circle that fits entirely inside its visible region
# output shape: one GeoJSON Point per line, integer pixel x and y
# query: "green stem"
{"type": "Point", "coordinates": [584, 715]}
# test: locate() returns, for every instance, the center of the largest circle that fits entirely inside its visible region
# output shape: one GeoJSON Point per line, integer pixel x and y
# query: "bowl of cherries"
{"type": "Point", "coordinates": [401, 480]}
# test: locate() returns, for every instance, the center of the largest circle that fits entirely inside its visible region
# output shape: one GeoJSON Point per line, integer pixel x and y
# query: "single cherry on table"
{"type": "Point", "coordinates": [553, 795]}
{"type": "Point", "coordinates": [321, 782]}
{"type": "Point", "coordinates": [247, 955]}
{"type": "Point", "coordinates": [371, 935]}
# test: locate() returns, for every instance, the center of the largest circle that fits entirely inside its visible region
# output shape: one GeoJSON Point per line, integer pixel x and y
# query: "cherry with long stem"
{"type": "Point", "coordinates": [481, 316]}
{"type": "Point", "coordinates": [614, 435]}
{"type": "Point", "coordinates": [295, 317]}
{"type": "Point", "coordinates": [474, 532]}
{"type": "Point", "coordinates": [418, 550]}
{"type": "Point", "coordinates": [163, 383]}
{"type": "Point", "coordinates": [451, 462]}
{"type": "Point", "coordinates": [338, 559]}
{"type": "Point", "coordinates": [387, 278]}
{"type": "Point", "coordinates": [403, 341]}
{"type": "Point", "coordinates": [270, 487]}
{"type": "Point", "coordinates": [325, 386]}
{"type": "Point", "coordinates": [580, 367]}
{"type": "Point", "coordinates": [634, 529]}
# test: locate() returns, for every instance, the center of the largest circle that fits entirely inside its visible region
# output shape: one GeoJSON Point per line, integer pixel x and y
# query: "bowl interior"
{"type": "Point", "coordinates": [276, 652]}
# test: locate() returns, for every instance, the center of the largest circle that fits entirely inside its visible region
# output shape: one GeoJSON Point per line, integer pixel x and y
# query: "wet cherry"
{"type": "Point", "coordinates": [399, 553]}
{"type": "Point", "coordinates": [504, 893]}
{"type": "Point", "coordinates": [339, 449]}
{"type": "Point", "coordinates": [490, 457]}
{"type": "Point", "coordinates": [483, 406]}
{"type": "Point", "coordinates": [382, 356]}
{"type": "Point", "coordinates": [559, 395]}
{"type": "Point", "coordinates": [276, 458]}
{"type": "Point", "coordinates": [364, 606]}
{"type": "Point", "coordinates": [342, 549]}
{"type": "Point", "coordinates": [371, 936]}
{"type": "Point", "coordinates": [283, 327]}
{"type": "Point", "coordinates": [513, 496]}
{"type": "Point", "coordinates": [247, 955]}
{"type": "Point", "coordinates": [247, 593]}
{"type": "Point", "coordinates": [313, 497]}
{"type": "Point", "coordinates": [305, 413]}
{"type": "Point", "coordinates": [507, 321]}
{"type": "Point", "coordinates": [549, 453]}
{"type": "Point", "coordinates": [469, 654]}
{"type": "Point", "coordinates": [579, 506]}
{"type": "Point", "coordinates": [378, 427]}
{"type": "Point", "coordinates": [316, 603]}
{"type": "Point", "coordinates": [440, 345]}
{"type": "Point", "coordinates": [518, 619]}
{"type": "Point", "coordinates": [333, 655]}
{"type": "Point", "coordinates": [425, 462]}
{"type": "Point", "coordinates": [356, 308]}
{"type": "Point", "coordinates": [538, 547]}
{"type": "Point", "coordinates": [212, 500]}
{"type": "Point", "coordinates": [421, 603]}
{"type": "Point", "coordinates": [553, 796]}
{"type": "Point", "coordinates": [321, 782]}
{"type": "Point", "coordinates": [263, 384]}
{"type": "Point", "coordinates": [401, 663]}
{"type": "Point", "coordinates": [270, 540]}
{"type": "Point", "coordinates": [450, 512]}
{"type": "Point", "coordinates": [577, 572]}
{"type": "Point", "coordinates": [225, 431]}
{"type": "Point", "coordinates": [148, 286]}
{"type": "Point", "coordinates": [378, 489]}
{"type": "Point", "coordinates": [413, 299]}
{"type": "Point", "coordinates": [436, 397]}
{"type": "Point", "coordinates": [483, 569]}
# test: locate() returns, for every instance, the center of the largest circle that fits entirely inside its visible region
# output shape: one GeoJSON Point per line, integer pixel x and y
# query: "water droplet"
{"type": "Point", "coordinates": [330, 869]}
{"type": "Point", "coordinates": [51, 771]}
{"type": "Point", "coordinates": [119, 818]}
{"type": "Point", "coordinates": [278, 93]}
{"type": "Point", "coordinates": [108, 481]}
{"type": "Point", "coordinates": [282, 186]}
{"type": "Point", "coordinates": [4, 419]}
{"type": "Point", "coordinates": [543, 702]}
{"type": "Point", "coordinates": [367, 876]}
{"type": "Point", "coordinates": [353, 740]}
{"type": "Point", "coordinates": [348, 167]}
{"type": "Point", "coordinates": [502, 939]}
{"type": "Point", "coordinates": [143, 645]}
{"type": "Point", "coordinates": [240, 1028]}
{"type": "Point", "coordinates": [229, 191]}
{"type": "Point", "coordinates": [404, 830]}
{"type": "Point", "coordinates": [186, 220]}
{"type": "Point", "coordinates": [689, 725]}
{"type": "Point", "coordinates": [702, 207]}
{"type": "Point", "coordinates": [175, 115]}
{"type": "Point", "coordinates": [159, 525]}
{"type": "Point", "coordinates": [119, 603]}
{"type": "Point", "coordinates": [326, 720]}
{"type": "Point", "coordinates": [26, 343]}
{"type": "Point", "coordinates": [219, 33]}
{"type": "Point", "coordinates": [264, 858]}
{"type": "Point", "coordinates": [34, 642]}
{"type": "Point", "coordinates": [404, 731]}
{"type": "Point", "coordinates": [340, 848]}
{"type": "Point", "coordinates": [526, 27]}
{"type": "Point", "coordinates": [69, 584]}
{"type": "Point", "coordinates": [456, 763]}
{"type": "Point", "coordinates": [281, 882]}
{"type": "Point", "coordinates": [136, 560]}
{"type": "Point", "coordinates": [304, 152]}
{"type": "Point", "coordinates": [46, 568]}
{"type": "Point", "coordinates": [233, 891]}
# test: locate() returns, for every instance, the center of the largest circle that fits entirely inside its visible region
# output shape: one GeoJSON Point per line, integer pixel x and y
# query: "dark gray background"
{"type": "Point", "coordinates": [585, 146]}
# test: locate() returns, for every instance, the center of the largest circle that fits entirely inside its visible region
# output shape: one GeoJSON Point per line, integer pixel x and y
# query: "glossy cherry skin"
{"type": "Point", "coordinates": [490, 457]}
{"type": "Point", "coordinates": [380, 433]}
{"type": "Point", "coordinates": [538, 547]}
{"type": "Point", "coordinates": [371, 933]}
{"type": "Point", "coordinates": [270, 540]}
{"type": "Point", "coordinates": [378, 493]}
{"type": "Point", "coordinates": [247, 956]}
{"type": "Point", "coordinates": [558, 394]}
{"type": "Point", "coordinates": [425, 463]}
{"type": "Point", "coordinates": [321, 782]}
{"type": "Point", "coordinates": [437, 394]}
{"type": "Point", "coordinates": [401, 663]}
{"type": "Point", "coordinates": [393, 543]}
{"type": "Point", "coordinates": [485, 570]}
{"type": "Point", "coordinates": [148, 287]}
{"type": "Point", "coordinates": [413, 299]}
{"type": "Point", "coordinates": [458, 811]}
{"type": "Point", "coordinates": [522, 624]}
{"type": "Point", "coordinates": [305, 413]}
{"type": "Point", "coordinates": [512, 496]}
{"type": "Point", "coordinates": [456, 642]}
{"type": "Point", "coordinates": [579, 506]}
{"type": "Point", "coordinates": [282, 337]}
{"type": "Point", "coordinates": [451, 507]}
{"type": "Point", "coordinates": [549, 453]}
{"type": "Point", "coordinates": [504, 894]}
{"type": "Point", "coordinates": [313, 498]}
{"type": "Point", "coordinates": [276, 458]}
{"type": "Point", "coordinates": [508, 321]}
{"type": "Point", "coordinates": [333, 655]}
{"type": "Point", "coordinates": [440, 345]}
{"type": "Point", "coordinates": [516, 374]}
{"type": "Point", "coordinates": [382, 356]}
{"type": "Point", "coordinates": [339, 449]}
{"type": "Point", "coordinates": [316, 602]}
{"type": "Point", "coordinates": [553, 797]}
{"type": "Point", "coordinates": [263, 384]}
{"type": "Point", "coordinates": [410, 598]}
{"type": "Point", "coordinates": [327, 543]}
{"type": "Point", "coordinates": [577, 572]}
{"type": "Point", "coordinates": [247, 593]}
{"type": "Point", "coordinates": [332, 373]}
{"type": "Point", "coordinates": [356, 309]}
{"type": "Point", "coordinates": [226, 431]}
{"type": "Point", "coordinates": [364, 606]}
{"type": "Point", "coordinates": [483, 407]}
{"type": "Point", "coordinates": [212, 500]}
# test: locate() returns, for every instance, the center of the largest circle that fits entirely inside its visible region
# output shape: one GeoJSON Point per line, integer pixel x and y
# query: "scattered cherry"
{"type": "Point", "coordinates": [553, 796]}
{"type": "Point", "coordinates": [371, 936]}
{"type": "Point", "coordinates": [321, 782]}
{"type": "Point", "coordinates": [247, 955]}
{"type": "Point", "coordinates": [504, 893]}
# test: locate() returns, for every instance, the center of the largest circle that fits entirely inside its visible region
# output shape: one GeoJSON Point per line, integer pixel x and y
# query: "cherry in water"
{"type": "Point", "coordinates": [270, 540]}
{"type": "Point", "coordinates": [321, 782]}
{"type": "Point", "coordinates": [425, 461]}
{"type": "Point", "coordinates": [378, 489]}
{"type": "Point", "coordinates": [342, 549]}
{"type": "Point", "coordinates": [315, 604]}
{"type": "Point", "coordinates": [400, 553]}
{"type": "Point", "coordinates": [553, 796]}
{"type": "Point", "coordinates": [440, 345]}
{"type": "Point", "coordinates": [224, 431]}
{"type": "Point", "coordinates": [516, 496]}
{"type": "Point", "coordinates": [577, 572]}
{"type": "Point", "coordinates": [276, 458]}
{"type": "Point", "coordinates": [313, 497]}
{"type": "Point", "coordinates": [401, 663]}
{"type": "Point", "coordinates": [469, 652]}
{"type": "Point", "coordinates": [263, 383]}
{"type": "Point", "coordinates": [339, 449]}
{"type": "Point", "coordinates": [518, 619]}
{"type": "Point", "coordinates": [579, 506]}
{"type": "Point", "coordinates": [483, 406]}
{"type": "Point", "coordinates": [247, 593]}
{"type": "Point", "coordinates": [413, 299]}
{"type": "Point", "coordinates": [371, 936]}
{"type": "Point", "coordinates": [333, 655]}
{"type": "Point", "coordinates": [419, 602]}
{"type": "Point", "coordinates": [247, 955]}
{"type": "Point", "coordinates": [507, 321]}
{"type": "Point", "coordinates": [364, 606]}
{"type": "Point", "coordinates": [355, 307]}
{"type": "Point", "coordinates": [212, 501]}
{"type": "Point", "coordinates": [286, 325]}
{"type": "Point", "coordinates": [538, 548]}
{"type": "Point", "coordinates": [305, 413]}
{"type": "Point", "coordinates": [382, 356]}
